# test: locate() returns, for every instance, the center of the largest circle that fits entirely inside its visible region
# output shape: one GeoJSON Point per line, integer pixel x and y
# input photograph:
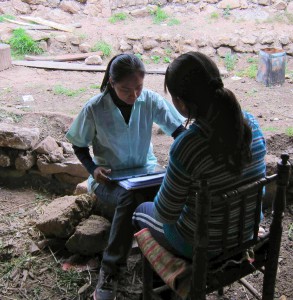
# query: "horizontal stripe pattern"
{"type": "Point", "coordinates": [174, 203]}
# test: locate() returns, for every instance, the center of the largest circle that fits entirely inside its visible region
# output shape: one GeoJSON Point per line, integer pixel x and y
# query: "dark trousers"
{"type": "Point", "coordinates": [121, 234]}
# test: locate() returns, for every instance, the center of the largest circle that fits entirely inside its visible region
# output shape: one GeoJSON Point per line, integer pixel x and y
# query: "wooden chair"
{"type": "Point", "coordinates": [241, 206]}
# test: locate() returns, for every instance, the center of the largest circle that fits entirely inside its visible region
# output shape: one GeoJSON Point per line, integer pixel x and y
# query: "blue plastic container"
{"type": "Point", "coordinates": [271, 66]}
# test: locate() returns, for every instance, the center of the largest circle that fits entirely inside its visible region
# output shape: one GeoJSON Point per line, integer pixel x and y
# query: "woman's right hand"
{"type": "Point", "coordinates": [100, 174]}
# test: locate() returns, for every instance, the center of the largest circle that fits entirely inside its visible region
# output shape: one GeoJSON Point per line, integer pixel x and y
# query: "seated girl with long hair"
{"type": "Point", "coordinates": [223, 144]}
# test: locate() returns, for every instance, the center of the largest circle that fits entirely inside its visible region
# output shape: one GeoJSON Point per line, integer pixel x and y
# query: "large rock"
{"type": "Point", "coordinates": [25, 161]}
{"type": "Point", "coordinates": [21, 7]}
{"type": "Point", "coordinates": [93, 60]}
{"type": "Point", "coordinates": [81, 188]}
{"type": "Point", "coordinates": [46, 146]}
{"type": "Point", "coordinates": [90, 236]}
{"type": "Point", "coordinates": [62, 215]}
{"type": "Point", "coordinates": [149, 44]}
{"type": "Point", "coordinates": [70, 6]}
{"type": "Point", "coordinates": [4, 159]}
{"type": "Point", "coordinates": [140, 12]}
{"type": "Point", "coordinates": [70, 166]}
{"type": "Point", "coordinates": [17, 137]}
{"type": "Point", "coordinates": [229, 4]}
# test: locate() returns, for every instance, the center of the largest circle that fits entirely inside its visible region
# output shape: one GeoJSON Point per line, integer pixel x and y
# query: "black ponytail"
{"type": "Point", "coordinates": [121, 66]}
{"type": "Point", "coordinates": [195, 79]}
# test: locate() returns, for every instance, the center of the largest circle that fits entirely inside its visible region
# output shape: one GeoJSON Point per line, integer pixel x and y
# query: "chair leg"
{"type": "Point", "coordinates": [147, 279]}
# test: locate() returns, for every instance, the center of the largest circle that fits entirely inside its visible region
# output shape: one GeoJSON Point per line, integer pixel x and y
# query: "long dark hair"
{"type": "Point", "coordinates": [195, 79]}
{"type": "Point", "coordinates": [121, 66]}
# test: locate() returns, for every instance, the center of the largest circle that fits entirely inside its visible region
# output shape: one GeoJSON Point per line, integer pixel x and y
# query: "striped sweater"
{"type": "Point", "coordinates": [189, 154]}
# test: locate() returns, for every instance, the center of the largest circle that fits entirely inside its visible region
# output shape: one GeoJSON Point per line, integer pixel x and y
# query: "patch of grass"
{"type": "Point", "coordinates": [270, 128]}
{"type": "Point", "coordinates": [104, 47]}
{"type": "Point", "coordinates": [70, 279]}
{"type": "Point", "coordinates": [156, 58]}
{"type": "Point", "coordinates": [61, 90]}
{"type": "Point", "coordinates": [82, 36]}
{"type": "Point", "coordinates": [227, 12]}
{"type": "Point", "coordinates": [138, 55]}
{"type": "Point", "coordinates": [21, 43]}
{"type": "Point", "coordinates": [167, 59]}
{"type": "Point", "coordinates": [8, 266]}
{"type": "Point", "coordinates": [250, 71]}
{"type": "Point", "coordinates": [283, 17]}
{"type": "Point", "coordinates": [159, 15]}
{"type": "Point", "coordinates": [289, 131]}
{"type": "Point", "coordinates": [168, 51]}
{"type": "Point", "coordinates": [15, 117]}
{"type": "Point", "coordinates": [118, 17]}
{"type": "Point", "coordinates": [252, 60]}
{"type": "Point", "coordinates": [3, 17]}
{"type": "Point", "coordinates": [95, 86]}
{"type": "Point", "coordinates": [173, 22]}
{"type": "Point", "coordinates": [214, 15]}
{"type": "Point", "coordinates": [230, 61]}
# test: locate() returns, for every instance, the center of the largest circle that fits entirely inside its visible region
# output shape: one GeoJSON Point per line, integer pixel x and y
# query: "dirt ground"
{"type": "Point", "coordinates": [29, 274]}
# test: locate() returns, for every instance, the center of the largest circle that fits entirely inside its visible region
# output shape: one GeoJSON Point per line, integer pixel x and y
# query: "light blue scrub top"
{"type": "Point", "coordinates": [118, 145]}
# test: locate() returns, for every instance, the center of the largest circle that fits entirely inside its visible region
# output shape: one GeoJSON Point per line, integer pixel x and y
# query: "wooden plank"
{"type": "Point", "coordinates": [29, 25]}
{"type": "Point", "coordinates": [65, 57]}
{"type": "Point", "coordinates": [71, 66]}
{"type": "Point", "coordinates": [48, 23]}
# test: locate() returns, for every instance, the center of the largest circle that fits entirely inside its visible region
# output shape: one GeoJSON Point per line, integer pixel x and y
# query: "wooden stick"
{"type": "Point", "coordinates": [65, 57]}
{"type": "Point", "coordinates": [48, 23]}
{"type": "Point", "coordinates": [71, 66]}
{"type": "Point", "coordinates": [30, 25]}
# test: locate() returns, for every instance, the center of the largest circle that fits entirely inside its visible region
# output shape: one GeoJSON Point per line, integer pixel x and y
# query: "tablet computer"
{"type": "Point", "coordinates": [117, 175]}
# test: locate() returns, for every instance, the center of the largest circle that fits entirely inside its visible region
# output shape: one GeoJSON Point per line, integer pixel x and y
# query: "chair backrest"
{"type": "Point", "coordinates": [228, 224]}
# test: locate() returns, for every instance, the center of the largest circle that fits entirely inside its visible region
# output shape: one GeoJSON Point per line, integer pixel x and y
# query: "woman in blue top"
{"type": "Point", "coordinates": [223, 144]}
{"type": "Point", "coordinates": [118, 125]}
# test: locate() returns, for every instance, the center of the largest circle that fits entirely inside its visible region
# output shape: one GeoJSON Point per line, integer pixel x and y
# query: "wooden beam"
{"type": "Point", "coordinates": [30, 25]}
{"type": "Point", "coordinates": [48, 23]}
{"type": "Point", "coordinates": [71, 66]}
{"type": "Point", "coordinates": [65, 57]}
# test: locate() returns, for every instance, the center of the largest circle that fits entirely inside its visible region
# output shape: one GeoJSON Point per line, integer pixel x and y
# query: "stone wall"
{"type": "Point", "coordinates": [27, 160]}
{"type": "Point", "coordinates": [149, 45]}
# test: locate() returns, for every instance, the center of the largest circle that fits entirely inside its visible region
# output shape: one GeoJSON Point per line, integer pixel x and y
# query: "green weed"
{"type": "Point", "coordinates": [289, 131]}
{"type": "Point", "coordinates": [250, 71]}
{"type": "Point", "coordinates": [159, 15]}
{"type": "Point", "coordinates": [227, 12]}
{"type": "Point", "coordinates": [95, 86]}
{"type": "Point", "coordinates": [138, 55]}
{"type": "Point", "coordinates": [118, 17]}
{"type": "Point", "coordinates": [173, 22]}
{"type": "Point", "coordinates": [214, 15]}
{"type": "Point", "coordinates": [156, 58]}
{"type": "Point", "coordinates": [252, 60]}
{"type": "Point", "coordinates": [270, 129]}
{"type": "Point", "coordinates": [104, 47]}
{"type": "Point", "coordinates": [21, 43]}
{"type": "Point", "coordinates": [167, 59]}
{"type": "Point", "coordinates": [69, 279]}
{"type": "Point", "coordinates": [230, 61]}
{"type": "Point", "coordinates": [168, 51]}
{"type": "Point", "coordinates": [15, 117]}
{"type": "Point", "coordinates": [61, 90]}
{"type": "Point", "coordinates": [3, 17]}
{"type": "Point", "coordinates": [284, 17]}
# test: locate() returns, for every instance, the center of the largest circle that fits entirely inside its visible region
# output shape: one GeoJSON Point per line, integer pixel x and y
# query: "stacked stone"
{"type": "Point", "coordinates": [23, 156]}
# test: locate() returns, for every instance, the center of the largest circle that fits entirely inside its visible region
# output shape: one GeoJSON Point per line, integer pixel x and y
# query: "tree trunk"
{"type": "Point", "coordinates": [5, 57]}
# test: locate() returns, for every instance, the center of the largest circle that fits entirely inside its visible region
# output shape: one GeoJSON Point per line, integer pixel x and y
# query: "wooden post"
{"type": "Point", "coordinates": [5, 57]}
